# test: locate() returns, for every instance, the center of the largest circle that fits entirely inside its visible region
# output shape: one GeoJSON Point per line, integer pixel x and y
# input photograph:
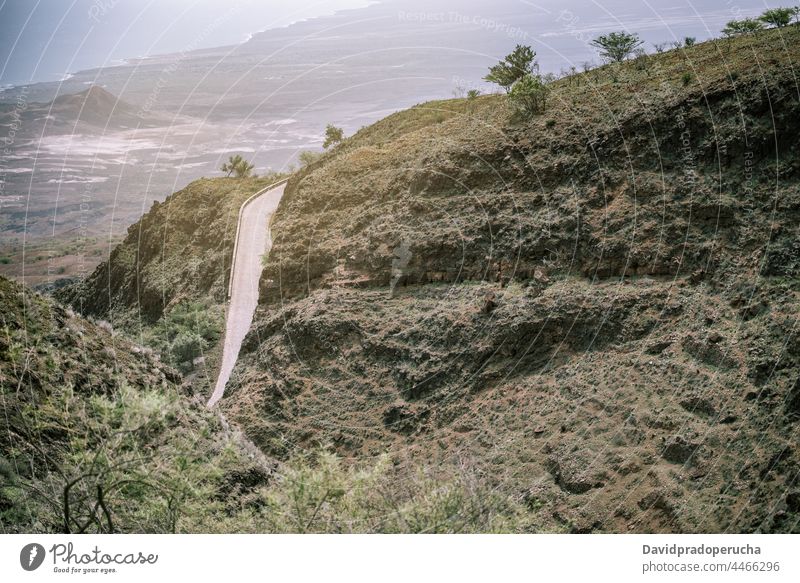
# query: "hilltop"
{"type": "Point", "coordinates": [91, 111]}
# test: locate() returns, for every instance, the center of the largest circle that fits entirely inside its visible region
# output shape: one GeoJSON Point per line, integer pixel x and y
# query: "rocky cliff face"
{"type": "Point", "coordinates": [596, 308]}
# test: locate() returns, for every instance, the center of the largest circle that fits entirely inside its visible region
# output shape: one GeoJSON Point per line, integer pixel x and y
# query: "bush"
{"type": "Point", "coordinates": [689, 41]}
{"type": "Point", "coordinates": [640, 59]}
{"type": "Point", "coordinates": [472, 94]}
{"type": "Point", "coordinates": [513, 67]}
{"type": "Point", "coordinates": [529, 95]}
{"type": "Point", "coordinates": [778, 17]}
{"type": "Point", "coordinates": [742, 27]}
{"type": "Point", "coordinates": [308, 157]}
{"type": "Point", "coordinates": [238, 166]}
{"type": "Point", "coordinates": [321, 494]}
{"type": "Point", "coordinates": [617, 46]}
{"type": "Point", "coordinates": [687, 78]}
{"type": "Point", "coordinates": [185, 333]}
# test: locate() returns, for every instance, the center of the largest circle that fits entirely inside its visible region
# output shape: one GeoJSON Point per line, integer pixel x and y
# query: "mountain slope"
{"type": "Point", "coordinates": [596, 308]}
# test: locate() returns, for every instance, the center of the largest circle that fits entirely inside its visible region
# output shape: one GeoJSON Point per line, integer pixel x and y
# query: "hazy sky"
{"type": "Point", "coordinates": [42, 40]}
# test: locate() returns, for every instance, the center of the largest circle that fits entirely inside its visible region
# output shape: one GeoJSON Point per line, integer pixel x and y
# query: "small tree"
{"type": "Point", "coordinates": [238, 166]}
{"type": "Point", "coordinates": [230, 166]}
{"type": "Point", "coordinates": [777, 17]}
{"type": "Point", "coordinates": [473, 94]}
{"type": "Point", "coordinates": [740, 27]}
{"type": "Point", "coordinates": [333, 136]}
{"type": "Point", "coordinates": [529, 95]}
{"type": "Point", "coordinates": [689, 41]}
{"type": "Point", "coordinates": [244, 169]}
{"type": "Point", "coordinates": [513, 67]}
{"type": "Point", "coordinates": [617, 46]}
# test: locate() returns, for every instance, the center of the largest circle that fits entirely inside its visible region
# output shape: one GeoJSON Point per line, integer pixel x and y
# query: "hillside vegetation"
{"type": "Point", "coordinates": [99, 436]}
{"type": "Point", "coordinates": [594, 307]}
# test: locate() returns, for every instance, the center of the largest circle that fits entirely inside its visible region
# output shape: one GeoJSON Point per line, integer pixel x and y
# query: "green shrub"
{"type": "Point", "coordinates": [777, 17]}
{"type": "Point", "coordinates": [238, 166]}
{"type": "Point", "coordinates": [528, 96]}
{"type": "Point", "coordinates": [320, 493]}
{"type": "Point", "coordinates": [742, 27]}
{"type": "Point", "coordinates": [513, 67]}
{"type": "Point", "coordinates": [617, 46]}
{"type": "Point", "coordinates": [308, 157]}
{"type": "Point", "coordinates": [185, 333]}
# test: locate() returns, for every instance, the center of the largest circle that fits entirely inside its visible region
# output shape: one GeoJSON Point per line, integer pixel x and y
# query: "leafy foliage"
{"type": "Point", "coordinates": [617, 46]}
{"type": "Point", "coordinates": [741, 27]}
{"type": "Point", "coordinates": [333, 136]}
{"type": "Point", "coordinates": [319, 493]}
{"type": "Point", "coordinates": [238, 166]}
{"type": "Point", "coordinates": [186, 332]}
{"type": "Point", "coordinates": [529, 95]}
{"type": "Point", "coordinates": [307, 157]}
{"type": "Point", "coordinates": [778, 17]}
{"type": "Point", "coordinates": [513, 67]}
{"type": "Point", "coordinates": [109, 444]}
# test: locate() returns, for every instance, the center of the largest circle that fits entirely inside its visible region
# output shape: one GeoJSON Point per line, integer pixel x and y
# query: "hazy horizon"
{"type": "Point", "coordinates": [47, 40]}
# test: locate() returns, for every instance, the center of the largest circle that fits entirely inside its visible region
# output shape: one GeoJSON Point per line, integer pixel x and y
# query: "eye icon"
{"type": "Point", "coordinates": [31, 556]}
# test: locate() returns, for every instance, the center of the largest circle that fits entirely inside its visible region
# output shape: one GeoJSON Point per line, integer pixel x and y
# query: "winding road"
{"type": "Point", "coordinates": [253, 240]}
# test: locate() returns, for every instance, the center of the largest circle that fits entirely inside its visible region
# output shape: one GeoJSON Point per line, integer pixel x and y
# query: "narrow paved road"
{"type": "Point", "coordinates": [254, 241]}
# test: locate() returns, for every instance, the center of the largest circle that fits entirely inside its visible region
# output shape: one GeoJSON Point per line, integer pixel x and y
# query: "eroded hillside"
{"type": "Point", "coordinates": [100, 436]}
